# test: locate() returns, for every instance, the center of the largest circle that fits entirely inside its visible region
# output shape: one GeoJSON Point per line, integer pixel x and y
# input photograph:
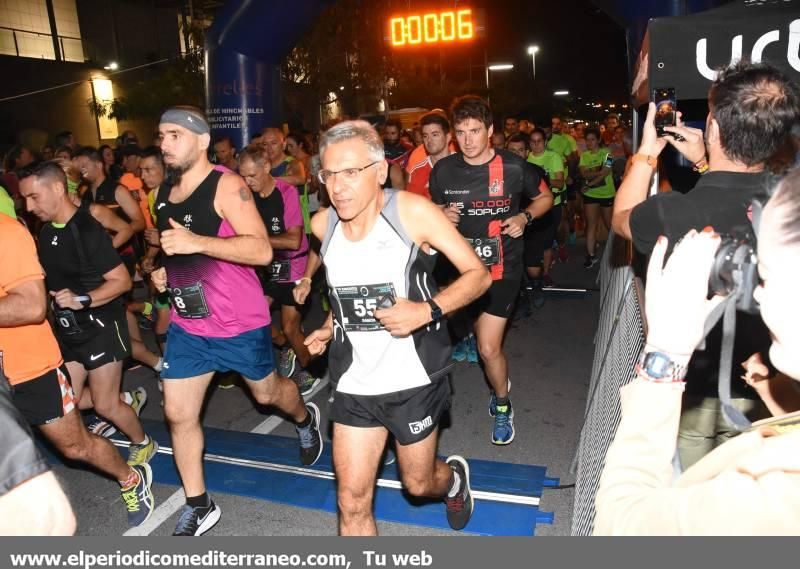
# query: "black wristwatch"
{"type": "Point", "coordinates": [528, 217]}
{"type": "Point", "coordinates": [85, 300]}
{"type": "Point", "coordinates": [436, 311]}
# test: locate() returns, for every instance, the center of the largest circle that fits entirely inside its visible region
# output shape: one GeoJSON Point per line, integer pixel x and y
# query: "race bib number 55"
{"type": "Point", "coordinates": [359, 304]}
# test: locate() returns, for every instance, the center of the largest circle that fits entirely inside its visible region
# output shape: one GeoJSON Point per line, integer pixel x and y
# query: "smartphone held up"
{"type": "Point", "coordinates": [666, 109]}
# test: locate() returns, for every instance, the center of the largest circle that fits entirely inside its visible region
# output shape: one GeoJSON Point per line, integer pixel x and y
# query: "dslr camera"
{"type": "Point", "coordinates": [735, 268]}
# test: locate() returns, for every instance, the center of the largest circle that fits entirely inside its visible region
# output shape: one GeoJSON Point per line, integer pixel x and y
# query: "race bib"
{"type": "Point", "coordinates": [487, 249]}
{"type": "Point", "coordinates": [279, 271]}
{"type": "Point", "coordinates": [67, 323]}
{"type": "Point", "coordinates": [359, 304]}
{"type": "Point", "coordinates": [190, 302]}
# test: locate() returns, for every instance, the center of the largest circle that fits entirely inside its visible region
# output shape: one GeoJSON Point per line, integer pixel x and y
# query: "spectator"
{"type": "Point", "coordinates": [751, 484]}
{"type": "Point", "coordinates": [66, 138]}
{"type": "Point", "coordinates": [752, 110]}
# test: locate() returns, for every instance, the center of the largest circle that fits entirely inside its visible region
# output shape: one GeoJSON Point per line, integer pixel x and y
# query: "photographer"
{"type": "Point", "coordinates": [752, 108]}
{"type": "Point", "coordinates": [749, 485]}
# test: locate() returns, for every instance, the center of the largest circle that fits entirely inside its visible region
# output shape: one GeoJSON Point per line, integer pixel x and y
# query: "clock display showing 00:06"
{"type": "Point", "coordinates": [432, 28]}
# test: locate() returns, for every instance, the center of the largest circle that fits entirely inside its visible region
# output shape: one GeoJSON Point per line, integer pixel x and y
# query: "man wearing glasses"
{"type": "Point", "coordinates": [212, 235]}
{"type": "Point", "coordinates": [389, 344]}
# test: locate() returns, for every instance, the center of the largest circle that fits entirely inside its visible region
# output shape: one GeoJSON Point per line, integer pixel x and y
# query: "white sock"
{"type": "Point", "coordinates": [145, 441]}
{"type": "Point", "coordinates": [128, 397]}
{"type": "Point", "coordinates": [456, 485]}
{"type": "Point", "coordinates": [159, 365]}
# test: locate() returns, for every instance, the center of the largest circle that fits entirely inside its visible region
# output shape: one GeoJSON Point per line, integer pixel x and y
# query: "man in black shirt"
{"type": "Point", "coordinates": [752, 109]}
{"type": "Point", "coordinates": [480, 189]}
{"type": "Point", "coordinates": [86, 280]}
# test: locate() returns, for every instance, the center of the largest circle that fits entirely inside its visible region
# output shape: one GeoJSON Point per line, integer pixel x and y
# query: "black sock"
{"type": "Point", "coordinates": [305, 422]}
{"type": "Point", "coordinates": [501, 401]}
{"type": "Point", "coordinates": [201, 501]}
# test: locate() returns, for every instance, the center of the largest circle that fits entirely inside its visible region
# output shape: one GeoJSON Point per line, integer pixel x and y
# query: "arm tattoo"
{"type": "Point", "coordinates": [245, 194]}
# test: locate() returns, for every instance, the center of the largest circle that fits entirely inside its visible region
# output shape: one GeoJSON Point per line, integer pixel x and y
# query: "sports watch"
{"type": "Point", "coordinates": [436, 311]}
{"type": "Point", "coordinates": [85, 300]}
{"type": "Point", "coordinates": [660, 368]}
{"type": "Point", "coordinates": [528, 217]}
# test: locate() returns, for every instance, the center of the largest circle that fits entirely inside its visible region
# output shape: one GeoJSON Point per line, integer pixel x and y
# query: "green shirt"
{"type": "Point", "coordinates": [7, 204]}
{"type": "Point", "coordinates": [552, 164]}
{"type": "Point", "coordinates": [562, 144]}
{"type": "Point", "coordinates": [594, 161]}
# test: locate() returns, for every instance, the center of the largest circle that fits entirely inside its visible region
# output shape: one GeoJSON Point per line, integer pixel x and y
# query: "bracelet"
{"type": "Point", "coordinates": [300, 280]}
{"type": "Point", "coordinates": [701, 166]}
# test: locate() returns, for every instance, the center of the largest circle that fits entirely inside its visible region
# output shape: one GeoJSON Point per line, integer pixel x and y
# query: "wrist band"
{"type": "Point", "coordinates": [300, 280]}
{"type": "Point", "coordinates": [701, 166]}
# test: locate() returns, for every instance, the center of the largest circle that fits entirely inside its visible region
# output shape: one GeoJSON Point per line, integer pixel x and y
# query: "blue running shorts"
{"type": "Point", "coordinates": [188, 355]}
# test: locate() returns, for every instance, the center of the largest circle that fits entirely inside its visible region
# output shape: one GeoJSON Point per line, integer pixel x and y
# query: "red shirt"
{"type": "Point", "coordinates": [418, 176]}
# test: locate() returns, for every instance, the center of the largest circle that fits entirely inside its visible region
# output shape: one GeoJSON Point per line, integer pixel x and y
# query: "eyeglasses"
{"type": "Point", "coordinates": [348, 174]}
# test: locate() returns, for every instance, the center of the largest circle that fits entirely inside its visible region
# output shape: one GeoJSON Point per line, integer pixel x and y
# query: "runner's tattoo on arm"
{"type": "Point", "coordinates": [245, 194]}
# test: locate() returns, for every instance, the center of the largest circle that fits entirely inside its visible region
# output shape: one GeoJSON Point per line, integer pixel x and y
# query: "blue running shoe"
{"type": "Point", "coordinates": [493, 401]}
{"type": "Point", "coordinates": [503, 432]}
{"type": "Point", "coordinates": [460, 351]}
{"type": "Point", "coordinates": [197, 521]}
{"type": "Point", "coordinates": [139, 497]}
{"type": "Point", "coordinates": [472, 349]}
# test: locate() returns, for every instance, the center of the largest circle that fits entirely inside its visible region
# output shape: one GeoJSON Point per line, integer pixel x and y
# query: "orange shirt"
{"type": "Point", "coordinates": [32, 350]}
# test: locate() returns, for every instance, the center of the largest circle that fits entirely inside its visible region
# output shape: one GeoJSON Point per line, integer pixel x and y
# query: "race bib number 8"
{"type": "Point", "coordinates": [487, 249]}
{"type": "Point", "coordinates": [190, 302]}
{"type": "Point", "coordinates": [359, 304]}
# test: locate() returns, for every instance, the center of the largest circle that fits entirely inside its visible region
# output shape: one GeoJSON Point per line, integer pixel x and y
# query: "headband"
{"type": "Point", "coordinates": [187, 119]}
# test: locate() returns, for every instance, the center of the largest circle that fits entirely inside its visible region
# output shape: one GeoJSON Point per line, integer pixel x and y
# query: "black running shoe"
{"type": "Point", "coordinates": [310, 438]}
{"type": "Point", "coordinates": [197, 521]}
{"type": "Point", "coordinates": [459, 507]}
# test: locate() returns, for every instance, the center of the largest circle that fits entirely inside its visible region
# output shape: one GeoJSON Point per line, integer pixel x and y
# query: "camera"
{"type": "Point", "coordinates": [735, 269]}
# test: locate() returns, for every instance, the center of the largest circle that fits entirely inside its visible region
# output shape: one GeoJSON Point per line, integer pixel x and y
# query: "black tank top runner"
{"type": "Point", "coordinates": [195, 213]}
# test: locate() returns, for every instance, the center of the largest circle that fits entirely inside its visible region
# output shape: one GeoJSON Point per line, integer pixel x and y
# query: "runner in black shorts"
{"type": "Point", "coordinates": [389, 344]}
{"type": "Point", "coordinates": [31, 360]}
{"type": "Point", "coordinates": [480, 190]}
{"type": "Point", "coordinates": [278, 204]}
{"type": "Point", "coordinates": [86, 280]}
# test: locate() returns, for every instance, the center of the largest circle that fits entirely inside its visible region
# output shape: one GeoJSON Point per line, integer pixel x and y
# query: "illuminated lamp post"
{"type": "Point", "coordinates": [495, 67]}
{"type": "Point", "coordinates": [532, 52]}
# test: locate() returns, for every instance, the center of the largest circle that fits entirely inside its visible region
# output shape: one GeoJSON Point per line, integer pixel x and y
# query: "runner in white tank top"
{"type": "Point", "coordinates": [389, 343]}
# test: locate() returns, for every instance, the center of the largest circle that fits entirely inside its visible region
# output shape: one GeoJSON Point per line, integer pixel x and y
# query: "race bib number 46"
{"type": "Point", "coordinates": [359, 304]}
{"type": "Point", "coordinates": [487, 249]}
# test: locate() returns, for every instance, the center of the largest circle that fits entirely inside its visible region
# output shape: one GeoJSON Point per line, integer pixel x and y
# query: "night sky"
{"type": "Point", "coordinates": [580, 47]}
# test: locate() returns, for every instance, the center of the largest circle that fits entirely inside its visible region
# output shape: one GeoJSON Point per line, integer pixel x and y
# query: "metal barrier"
{"type": "Point", "coordinates": [618, 341]}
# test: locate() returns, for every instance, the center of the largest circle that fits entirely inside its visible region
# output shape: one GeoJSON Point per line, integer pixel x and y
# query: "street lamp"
{"type": "Point", "coordinates": [562, 94]}
{"type": "Point", "coordinates": [532, 49]}
{"type": "Point", "coordinates": [496, 67]}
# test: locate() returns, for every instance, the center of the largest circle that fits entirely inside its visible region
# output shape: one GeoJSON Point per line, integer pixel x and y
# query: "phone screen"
{"type": "Point", "coordinates": [666, 111]}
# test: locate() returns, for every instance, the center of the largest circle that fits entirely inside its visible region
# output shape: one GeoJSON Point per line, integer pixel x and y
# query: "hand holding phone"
{"type": "Point", "coordinates": [666, 109]}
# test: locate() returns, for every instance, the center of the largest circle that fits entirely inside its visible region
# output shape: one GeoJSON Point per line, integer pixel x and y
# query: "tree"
{"type": "Point", "coordinates": [179, 81]}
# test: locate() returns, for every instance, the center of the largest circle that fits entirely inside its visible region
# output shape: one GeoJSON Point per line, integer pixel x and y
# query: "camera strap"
{"type": "Point", "coordinates": [726, 311]}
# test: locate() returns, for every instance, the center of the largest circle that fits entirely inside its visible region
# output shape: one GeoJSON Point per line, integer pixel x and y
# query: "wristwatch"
{"type": "Point", "coordinates": [660, 368]}
{"type": "Point", "coordinates": [436, 311]}
{"type": "Point", "coordinates": [651, 161]}
{"type": "Point", "coordinates": [85, 300]}
{"type": "Point", "coordinates": [528, 217]}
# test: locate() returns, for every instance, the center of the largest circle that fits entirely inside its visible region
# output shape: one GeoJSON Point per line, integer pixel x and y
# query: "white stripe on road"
{"type": "Point", "coordinates": [175, 502]}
